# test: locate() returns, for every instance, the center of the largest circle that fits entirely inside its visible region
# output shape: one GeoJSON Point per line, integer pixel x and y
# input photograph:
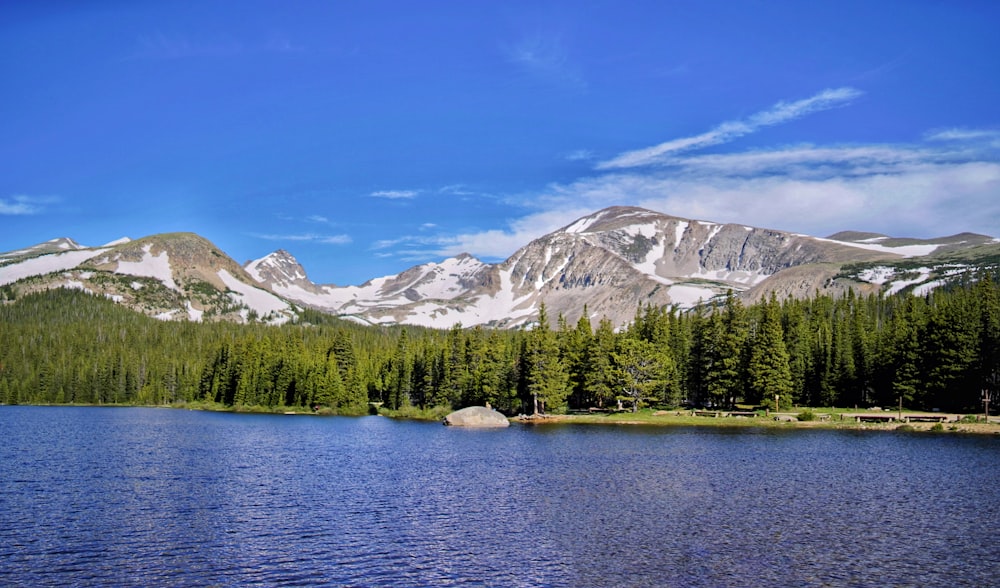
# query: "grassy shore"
{"type": "Point", "coordinates": [833, 420]}
{"type": "Point", "coordinates": [823, 418]}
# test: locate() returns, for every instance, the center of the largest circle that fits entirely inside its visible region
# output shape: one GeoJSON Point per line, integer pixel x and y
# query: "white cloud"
{"type": "Point", "coordinates": [310, 237]}
{"type": "Point", "coordinates": [21, 205]}
{"type": "Point", "coordinates": [545, 56]}
{"type": "Point", "coordinates": [964, 135]}
{"type": "Point", "coordinates": [499, 244]}
{"type": "Point", "coordinates": [334, 239]}
{"type": "Point", "coordinates": [730, 130]}
{"type": "Point", "coordinates": [901, 190]}
{"type": "Point", "coordinates": [395, 194]}
{"type": "Point", "coordinates": [579, 155]}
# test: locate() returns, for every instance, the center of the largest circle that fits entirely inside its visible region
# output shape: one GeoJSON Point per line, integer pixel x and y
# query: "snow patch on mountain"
{"type": "Point", "coordinates": [903, 250]}
{"type": "Point", "coordinates": [260, 301]}
{"type": "Point", "coordinates": [44, 264]}
{"type": "Point", "coordinates": [581, 225]}
{"type": "Point", "coordinates": [679, 232]}
{"type": "Point", "coordinates": [897, 285]}
{"type": "Point", "coordinates": [648, 264]}
{"type": "Point", "coordinates": [150, 266]}
{"type": "Point", "coordinates": [877, 275]}
{"type": "Point", "coordinates": [193, 313]}
{"type": "Point", "coordinates": [688, 296]}
{"type": "Point", "coordinates": [711, 235]}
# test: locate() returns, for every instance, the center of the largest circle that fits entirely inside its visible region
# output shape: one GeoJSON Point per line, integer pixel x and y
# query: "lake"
{"type": "Point", "coordinates": [161, 497]}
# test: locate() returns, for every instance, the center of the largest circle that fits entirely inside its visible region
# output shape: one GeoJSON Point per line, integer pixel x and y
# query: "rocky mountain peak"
{"type": "Point", "coordinates": [58, 245]}
{"type": "Point", "coordinates": [611, 262]}
{"type": "Point", "coordinates": [279, 269]}
{"type": "Point", "coordinates": [612, 218]}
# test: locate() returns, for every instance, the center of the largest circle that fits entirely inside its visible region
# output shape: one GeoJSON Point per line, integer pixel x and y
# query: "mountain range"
{"type": "Point", "coordinates": [610, 263]}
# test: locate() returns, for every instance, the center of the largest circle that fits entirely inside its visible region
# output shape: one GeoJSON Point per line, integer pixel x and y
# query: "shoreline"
{"type": "Point", "coordinates": [641, 418]}
{"type": "Point", "coordinates": [685, 419]}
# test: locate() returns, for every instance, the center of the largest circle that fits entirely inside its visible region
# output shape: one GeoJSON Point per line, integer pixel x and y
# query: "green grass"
{"type": "Point", "coordinates": [680, 417]}
{"type": "Point", "coordinates": [436, 413]}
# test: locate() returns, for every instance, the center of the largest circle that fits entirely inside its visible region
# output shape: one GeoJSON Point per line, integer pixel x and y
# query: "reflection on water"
{"type": "Point", "coordinates": [142, 497]}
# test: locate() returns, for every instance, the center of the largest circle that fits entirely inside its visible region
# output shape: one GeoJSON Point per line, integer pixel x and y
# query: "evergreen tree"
{"type": "Point", "coordinates": [401, 383]}
{"type": "Point", "coordinates": [637, 371]}
{"type": "Point", "coordinates": [574, 344]}
{"type": "Point", "coordinates": [547, 378]}
{"type": "Point", "coordinates": [768, 367]}
{"type": "Point", "coordinates": [724, 365]}
{"type": "Point", "coordinates": [599, 385]}
{"type": "Point", "coordinates": [988, 296]}
{"type": "Point", "coordinates": [796, 331]}
{"type": "Point", "coordinates": [950, 353]}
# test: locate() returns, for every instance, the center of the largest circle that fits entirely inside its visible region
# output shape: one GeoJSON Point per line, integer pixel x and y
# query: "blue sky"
{"type": "Point", "coordinates": [367, 137]}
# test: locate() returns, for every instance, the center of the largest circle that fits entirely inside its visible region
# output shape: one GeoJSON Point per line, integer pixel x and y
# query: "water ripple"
{"type": "Point", "coordinates": [140, 497]}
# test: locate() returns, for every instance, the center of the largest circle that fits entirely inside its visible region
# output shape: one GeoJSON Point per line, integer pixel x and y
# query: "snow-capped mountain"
{"type": "Point", "coordinates": [177, 276]}
{"type": "Point", "coordinates": [610, 262]}
{"type": "Point", "coordinates": [423, 294]}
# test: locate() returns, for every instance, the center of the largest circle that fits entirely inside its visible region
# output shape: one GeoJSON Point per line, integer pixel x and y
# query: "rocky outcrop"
{"type": "Point", "coordinates": [610, 263]}
{"type": "Point", "coordinates": [280, 269]}
{"type": "Point", "coordinates": [476, 416]}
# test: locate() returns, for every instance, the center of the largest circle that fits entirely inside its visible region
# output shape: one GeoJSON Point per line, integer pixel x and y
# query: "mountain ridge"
{"type": "Point", "coordinates": [611, 262]}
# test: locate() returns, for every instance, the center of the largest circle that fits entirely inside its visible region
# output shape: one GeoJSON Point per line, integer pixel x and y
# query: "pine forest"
{"type": "Point", "coordinates": [939, 351]}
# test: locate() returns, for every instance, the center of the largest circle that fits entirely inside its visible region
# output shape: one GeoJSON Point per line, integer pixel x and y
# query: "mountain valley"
{"type": "Point", "coordinates": [610, 263]}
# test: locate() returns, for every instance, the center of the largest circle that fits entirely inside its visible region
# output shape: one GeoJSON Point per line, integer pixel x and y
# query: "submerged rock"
{"type": "Point", "coordinates": [476, 416]}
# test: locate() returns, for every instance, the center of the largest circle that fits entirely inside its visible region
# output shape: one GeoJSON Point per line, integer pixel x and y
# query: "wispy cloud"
{"type": "Point", "coordinates": [963, 135]}
{"type": "Point", "coordinates": [307, 237]}
{"type": "Point", "coordinates": [579, 155]}
{"type": "Point", "coordinates": [395, 194]}
{"type": "Point", "coordinates": [546, 57]}
{"type": "Point", "coordinates": [22, 205]}
{"type": "Point", "coordinates": [940, 187]}
{"type": "Point", "coordinates": [456, 190]}
{"type": "Point", "coordinates": [501, 243]}
{"type": "Point", "coordinates": [728, 131]}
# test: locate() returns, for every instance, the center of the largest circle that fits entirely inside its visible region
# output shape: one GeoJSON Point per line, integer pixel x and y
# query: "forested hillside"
{"type": "Point", "coordinates": [938, 351]}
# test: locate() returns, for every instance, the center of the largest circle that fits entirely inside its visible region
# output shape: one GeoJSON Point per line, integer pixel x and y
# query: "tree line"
{"type": "Point", "coordinates": [938, 351]}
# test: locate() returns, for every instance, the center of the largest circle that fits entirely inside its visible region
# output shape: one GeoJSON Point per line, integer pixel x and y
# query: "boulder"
{"type": "Point", "coordinates": [476, 416]}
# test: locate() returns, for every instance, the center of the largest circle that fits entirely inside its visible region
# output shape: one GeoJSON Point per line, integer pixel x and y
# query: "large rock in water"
{"type": "Point", "coordinates": [476, 416]}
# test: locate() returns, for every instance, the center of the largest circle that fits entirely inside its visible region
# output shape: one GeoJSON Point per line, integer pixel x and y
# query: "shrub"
{"type": "Point", "coordinates": [937, 427]}
{"type": "Point", "coordinates": [806, 415]}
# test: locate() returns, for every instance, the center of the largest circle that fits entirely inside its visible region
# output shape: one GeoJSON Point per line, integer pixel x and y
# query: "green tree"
{"type": "Point", "coordinates": [548, 381]}
{"type": "Point", "coordinates": [768, 369]}
{"type": "Point", "coordinates": [644, 373]}
{"type": "Point", "coordinates": [402, 375]}
{"type": "Point", "coordinates": [599, 384]}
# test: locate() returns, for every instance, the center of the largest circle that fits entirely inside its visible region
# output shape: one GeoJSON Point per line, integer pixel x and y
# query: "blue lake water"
{"type": "Point", "coordinates": [158, 497]}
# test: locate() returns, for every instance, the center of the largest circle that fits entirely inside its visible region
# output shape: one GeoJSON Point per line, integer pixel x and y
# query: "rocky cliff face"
{"type": "Point", "coordinates": [611, 263]}
{"type": "Point", "coordinates": [177, 276]}
{"type": "Point", "coordinates": [280, 270]}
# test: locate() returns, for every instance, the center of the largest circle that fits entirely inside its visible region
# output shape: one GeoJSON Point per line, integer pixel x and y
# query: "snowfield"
{"type": "Point", "coordinates": [53, 262]}
{"type": "Point", "coordinates": [689, 296]}
{"type": "Point", "coordinates": [905, 250]}
{"type": "Point", "coordinates": [260, 301]}
{"type": "Point", "coordinates": [151, 266]}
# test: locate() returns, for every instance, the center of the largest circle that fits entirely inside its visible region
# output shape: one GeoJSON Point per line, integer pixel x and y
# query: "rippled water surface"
{"type": "Point", "coordinates": [149, 497]}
